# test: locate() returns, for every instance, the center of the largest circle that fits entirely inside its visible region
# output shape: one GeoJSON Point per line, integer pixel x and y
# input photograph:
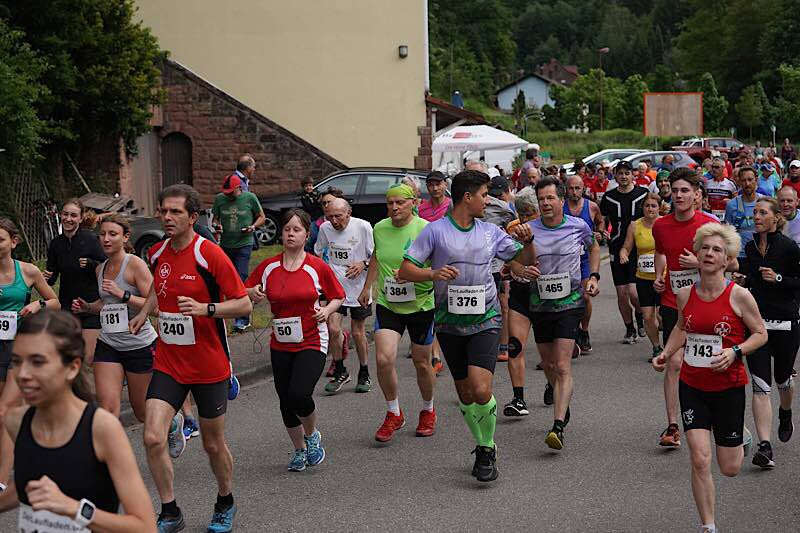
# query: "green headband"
{"type": "Point", "coordinates": [401, 189]}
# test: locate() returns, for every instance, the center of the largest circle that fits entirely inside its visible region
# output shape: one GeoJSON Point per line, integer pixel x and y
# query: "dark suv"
{"type": "Point", "coordinates": [364, 187]}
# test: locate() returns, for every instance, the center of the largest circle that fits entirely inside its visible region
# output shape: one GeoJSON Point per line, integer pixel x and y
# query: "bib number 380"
{"type": "Point", "coordinates": [175, 328]}
{"type": "Point", "coordinates": [679, 279]}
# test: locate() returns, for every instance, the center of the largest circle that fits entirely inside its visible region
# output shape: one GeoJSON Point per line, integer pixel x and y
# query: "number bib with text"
{"type": "Point", "coordinates": [288, 330]}
{"type": "Point", "coordinates": [114, 318]}
{"type": "Point", "coordinates": [399, 292]}
{"type": "Point", "coordinates": [30, 521]}
{"type": "Point", "coordinates": [646, 263]}
{"type": "Point", "coordinates": [340, 255]}
{"type": "Point", "coordinates": [700, 349]}
{"type": "Point", "coordinates": [8, 325]}
{"type": "Point", "coordinates": [174, 328]}
{"type": "Point", "coordinates": [553, 286]}
{"type": "Point", "coordinates": [466, 299]}
{"type": "Point", "coordinates": [778, 325]}
{"type": "Point", "coordinates": [719, 214]}
{"type": "Point", "coordinates": [679, 279]}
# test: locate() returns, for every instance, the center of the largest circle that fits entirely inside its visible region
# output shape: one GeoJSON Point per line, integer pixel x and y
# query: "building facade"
{"type": "Point", "coordinates": [536, 89]}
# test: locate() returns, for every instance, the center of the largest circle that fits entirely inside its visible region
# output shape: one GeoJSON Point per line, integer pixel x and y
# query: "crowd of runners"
{"type": "Point", "coordinates": [705, 264]}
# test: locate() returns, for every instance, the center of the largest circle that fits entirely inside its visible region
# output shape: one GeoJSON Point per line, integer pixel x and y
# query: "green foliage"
{"type": "Point", "coordinates": [566, 146]}
{"type": "Point", "coordinates": [715, 106]}
{"type": "Point", "coordinates": [787, 105]}
{"type": "Point", "coordinates": [750, 109]}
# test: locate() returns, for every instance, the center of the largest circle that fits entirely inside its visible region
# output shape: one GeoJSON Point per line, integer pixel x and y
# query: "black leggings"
{"type": "Point", "coordinates": [781, 347]}
{"type": "Point", "coordinates": [296, 374]}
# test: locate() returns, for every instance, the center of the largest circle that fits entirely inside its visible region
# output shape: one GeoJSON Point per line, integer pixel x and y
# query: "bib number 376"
{"type": "Point", "coordinates": [466, 299]}
{"type": "Point", "coordinates": [175, 328]}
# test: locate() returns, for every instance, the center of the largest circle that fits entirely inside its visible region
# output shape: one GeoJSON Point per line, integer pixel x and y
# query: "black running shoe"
{"type": "Point", "coordinates": [630, 335]}
{"type": "Point", "coordinates": [763, 457]}
{"type": "Point", "coordinates": [583, 342]}
{"type": "Point", "coordinates": [548, 394]}
{"type": "Point", "coordinates": [485, 463]}
{"type": "Point", "coordinates": [516, 407]}
{"type": "Point", "coordinates": [475, 452]}
{"type": "Point", "coordinates": [785, 425]}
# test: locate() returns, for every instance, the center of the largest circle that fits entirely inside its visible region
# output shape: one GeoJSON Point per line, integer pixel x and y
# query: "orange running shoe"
{"type": "Point", "coordinates": [427, 423]}
{"type": "Point", "coordinates": [391, 423]}
{"type": "Point", "coordinates": [438, 366]}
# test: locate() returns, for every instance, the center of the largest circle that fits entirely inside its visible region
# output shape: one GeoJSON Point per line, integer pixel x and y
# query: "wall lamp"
{"type": "Point", "coordinates": [402, 51]}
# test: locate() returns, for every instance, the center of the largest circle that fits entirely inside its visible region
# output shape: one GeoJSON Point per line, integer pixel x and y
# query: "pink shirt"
{"type": "Point", "coordinates": [430, 213]}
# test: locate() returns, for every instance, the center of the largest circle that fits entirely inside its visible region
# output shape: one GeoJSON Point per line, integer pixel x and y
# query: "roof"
{"type": "Point", "coordinates": [525, 77]}
{"type": "Point", "coordinates": [446, 108]}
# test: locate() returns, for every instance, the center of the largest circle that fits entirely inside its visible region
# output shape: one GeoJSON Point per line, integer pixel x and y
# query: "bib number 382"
{"type": "Point", "coordinates": [466, 299]}
{"type": "Point", "coordinates": [8, 325]}
{"type": "Point", "coordinates": [701, 349]}
{"type": "Point", "coordinates": [288, 329]}
{"type": "Point", "coordinates": [646, 263]}
{"type": "Point", "coordinates": [553, 286]}
{"type": "Point", "coordinates": [175, 328]}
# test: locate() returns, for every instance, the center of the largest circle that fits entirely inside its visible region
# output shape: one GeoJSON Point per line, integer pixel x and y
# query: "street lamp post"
{"type": "Point", "coordinates": [600, 53]}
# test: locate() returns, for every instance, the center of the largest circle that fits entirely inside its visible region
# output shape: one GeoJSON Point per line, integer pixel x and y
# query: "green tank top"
{"type": "Point", "coordinates": [14, 296]}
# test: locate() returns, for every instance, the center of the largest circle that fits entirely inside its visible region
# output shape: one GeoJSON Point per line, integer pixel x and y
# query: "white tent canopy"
{"type": "Point", "coordinates": [477, 138]}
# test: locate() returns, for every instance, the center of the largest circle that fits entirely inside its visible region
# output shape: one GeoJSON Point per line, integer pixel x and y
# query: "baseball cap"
{"type": "Point", "coordinates": [623, 165]}
{"type": "Point", "coordinates": [492, 172]}
{"type": "Point", "coordinates": [795, 163]}
{"type": "Point", "coordinates": [435, 176]}
{"type": "Point", "coordinates": [662, 174]}
{"type": "Point", "coordinates": [230, 183]}
{"type": "Point", "coordinates": [498, 184]}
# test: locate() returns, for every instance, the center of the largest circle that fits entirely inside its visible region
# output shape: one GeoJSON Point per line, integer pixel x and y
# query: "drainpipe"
{"type": "Point", "coordinates": [426, 47]}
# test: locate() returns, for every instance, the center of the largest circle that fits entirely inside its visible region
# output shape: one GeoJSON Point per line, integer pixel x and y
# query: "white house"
{"type": "Point", "coordinates": [535, 87]}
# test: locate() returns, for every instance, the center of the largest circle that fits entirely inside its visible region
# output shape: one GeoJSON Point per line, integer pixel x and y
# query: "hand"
{"type": "Point", "coordinates": [663, 209]}
{"type": "Point", "coordinates": [31, 309]}
{"type": "Point", "coordinates": [79, 305]}
{"type": "Point", "coordinates": [767, 274]}
{"type": "Point", "coordinates": [659, 362]}
{"type": "Point", "coordinates": [190, 307]}
{"type": "Point", "coordinates": [256, 294]}
{"type": "Point", "coordinates": [688, 260]}
{"type": "Point", "coordinates": [446, 273]}
{"type": "Point", "coordinates": [111, 287]}
{"type": "Point", "coordinates": [658, 285]}
{"type": "Point", "coordinates": [322, 314]}
{"type": "Point", "coordinates": [598, 236]}
{"type": "Point", "coordinates": [530, 272]}
{"type": "Point", "coordinates": [44, 494]}
{"type": "Point", "coordinates": [523, 233]}
{"type": "Point", "coordinates": [354, 269]}
{"type": "Point", "coordinates": [723, 360]}
{"type": "Point", "coordinates": [738, 278]}
{"type": "Point", "coordinates": [47, 275]}
{"type": "Point", "coordinates": [83, 262]}
{"type": "Point", "coordinates": [623, 256]}
{"type": "Point", "coordinates": [592, 288]}
{"type": "Point", "coordinates": [365, 297]}
{"type": "Point", "coordinates": [136, 323]}
{"type": "Point", "coordinates": [248, 229]}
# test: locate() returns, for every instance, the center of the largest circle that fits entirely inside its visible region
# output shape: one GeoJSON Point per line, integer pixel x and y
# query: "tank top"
{"type": "Point", "coordinates": [645, 249]}
{"type": "Point", "coordinates": [124, 341]}
{"type": "Point", "coordinates": [714, 318]}
{"type": "Point", "coordinates": [73, 467]}
{"type": "Point", "coordinates": [16, 295]}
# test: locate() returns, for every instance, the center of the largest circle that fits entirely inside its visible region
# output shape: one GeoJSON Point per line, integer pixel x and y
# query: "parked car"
{"type": "Point", "coordinates": [680, 159]}
{"type": "Point", "coordinates": [364, 187]}
{"type": "Point", "coordinates": [700, 148]}
{"type": "Point", "coordinates": [610, 154]}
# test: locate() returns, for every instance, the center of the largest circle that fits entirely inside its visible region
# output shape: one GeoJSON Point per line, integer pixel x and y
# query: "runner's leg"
{"type": "Point", "coordinates": [650, 325]}
{"type": "Point", "coordinates": [90, 341]}
{"type": "Point", "coordinates": [137, 392]}
{"type": "Point", "coordinates": [557, 362]}
{"type": "Point", "coordinates": [359, 332]}
{"type": "Point", "coordinates": [158, 418]}
{"type": "Point", "coordinates": [212, 431]}
{"type": "Point", "coordinates": [108, 385]}
{"type": "Point", "coordinates": [386, 343]}
{"type": "Point", "coordinates": [699, 441]}
{"type": "Point", "coordinates": [336, 338]}
{"type": "Point", "coordinates": [421, 355]}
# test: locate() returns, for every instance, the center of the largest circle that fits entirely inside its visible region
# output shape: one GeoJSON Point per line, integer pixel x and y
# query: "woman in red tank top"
{"type": "Point", "coordinates": [714, 316]}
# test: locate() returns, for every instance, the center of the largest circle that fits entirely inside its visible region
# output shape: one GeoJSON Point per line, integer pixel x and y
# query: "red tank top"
{"type": "Point", "coordinates": [714, 318]}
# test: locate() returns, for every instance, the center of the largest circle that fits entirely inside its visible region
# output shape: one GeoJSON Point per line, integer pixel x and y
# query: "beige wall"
{"type": "Point", "coordinates": [327, 70]}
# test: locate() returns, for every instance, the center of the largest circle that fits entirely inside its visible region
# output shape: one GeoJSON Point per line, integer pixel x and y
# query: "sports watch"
{"type": "Point", "coordinates": [595, 275]}
{"type": "Point", "coordinates": [778, 278]}
{"type": "Point", "coordinates": [212, 309]}
{"type": "Point", "coordinates": [737, 351]}
{"type": "Point", "coordinates": [85, 513]}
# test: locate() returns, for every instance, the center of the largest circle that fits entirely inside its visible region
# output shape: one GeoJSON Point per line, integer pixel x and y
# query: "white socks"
{"type": "Point", "coordinates": [393, 406]}
{"type": "Point", "coordinates": [709, 528]}
{"type": "Point", "coordinates": [427, 405]}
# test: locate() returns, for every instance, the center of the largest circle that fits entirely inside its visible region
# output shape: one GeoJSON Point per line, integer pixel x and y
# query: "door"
{"type": "Point", "coordinates": [176, 159]}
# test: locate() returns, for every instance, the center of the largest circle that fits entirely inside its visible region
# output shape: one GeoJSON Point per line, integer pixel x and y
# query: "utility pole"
{"type": "Point", "coordinates": [600, 53]}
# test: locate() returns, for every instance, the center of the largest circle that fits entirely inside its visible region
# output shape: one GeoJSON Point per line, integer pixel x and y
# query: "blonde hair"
{"type": "Point", "coordinates": [775, 207]}
{"type": "Point", "coordinates": [733, 242]}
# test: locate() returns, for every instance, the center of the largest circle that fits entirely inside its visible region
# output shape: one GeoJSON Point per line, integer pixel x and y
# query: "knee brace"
{"type": "Point", "coordinates": [760, 386]}
{"type": "Point", "coordinates": [786, 385]}
{"type": "Point", "coordinates": [514, 347]}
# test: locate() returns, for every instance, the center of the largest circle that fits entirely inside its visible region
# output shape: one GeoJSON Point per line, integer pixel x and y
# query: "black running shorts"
{"type": "Point", "coordinates": [648, 297]}
{"type": "Point", "coordinates": [669, 319]}
{"type": "Point", "coordinates": [419, 324]}
{"type": "Point", "coordinates": [139, 361]}
{"type": "Point", "coordinates": [781, 347]}
{"type": "Point", "coordinates": [461, 351]}
{"type": "Point", "coordinates": [623, 274]}
{"type": "Point", "coordinates": [211, 398]}
{"type": "Point", "coordinates": [559, 325]}
{"type": "Point", "coordinates": [356, 313]}
{"type": "Point", "coordinates": [721, 411]}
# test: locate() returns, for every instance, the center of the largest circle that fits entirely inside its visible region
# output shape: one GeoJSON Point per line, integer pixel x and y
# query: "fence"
{"type": "Point", "coordinates": [31, 200]}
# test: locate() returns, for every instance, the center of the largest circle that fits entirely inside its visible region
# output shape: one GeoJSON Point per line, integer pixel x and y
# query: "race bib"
{"type": "Point", "coordinates": [778, 325]}
{"type": "Point", "coordinates": [30, 521]}
{"type": "Point", "coordinates": [700, 349]}
{"type": "Point", "coordinates": [8, 325]}
{"type": "Point", "coordinates": [114, 318]}
{"type": "Point", "coordinates": [553, 286]}
{"type": "Point", "coordinates": [288, 330]}
{"type": "Point", "coordinates": [399, 292]}
{"type": "Point", "coordinates": [340, 255]}
{"type": "Point", "coordinates": [646, 263]}
{"type": "Point", "coordinates": [466, 299]}
{"type": "Point", "coordinates": [174, 328]}
{"type": "Point", "coordinates": [719, 214]}
{"type": "Point", "coordinates": [679, 279]}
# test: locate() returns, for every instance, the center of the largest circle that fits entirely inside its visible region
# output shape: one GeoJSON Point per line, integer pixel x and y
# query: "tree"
{"type": "Point", "coordinates": [715, 106]}
{"type": "Point", "coordinates": [787, 105]}
{"type": "Point", "coordinates": [749, 108]}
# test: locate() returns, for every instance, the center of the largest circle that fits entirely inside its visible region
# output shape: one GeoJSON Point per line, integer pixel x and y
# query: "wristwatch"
{"type": "Point", "coordinates": [212, 309]}
{"type": "Point", "coordinates": [595, 275]}
{"type": "Point", "coordinates": [43, 303]}
{"type": "Point", "coordinates": [85, 513]}
{"type": "Point", "coordinates": [778, 278]}
{"type": "Point", "coordinates": [126, 296]}
{"type": "Point", "coordinates": [737, 351]}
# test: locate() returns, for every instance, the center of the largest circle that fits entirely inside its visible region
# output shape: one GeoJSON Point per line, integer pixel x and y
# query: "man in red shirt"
{"type": "Point", "coordinates": [793, 180]}
{"type": "Point", "coordinates": [676, 267]}
{"type": "Point", "coordinates": [195, 286]}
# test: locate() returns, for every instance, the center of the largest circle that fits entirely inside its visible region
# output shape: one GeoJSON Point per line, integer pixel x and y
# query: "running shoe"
{"type": "Point", "coordinates": [175, 438]}
{"type": "Point", "coordinates": [364, 384]}
{"type": "Point", "coordinates": [785, 425]}
{"type": "Point", "coordinates": [763, 457]}
{"type": "Point", "coordinates": [485, 468]}
{"type": "Point", "coordinates": [233, 387]}
{"type": "Point", "coordinates": [298, 461]}
{"type": "Point", "coordinates": [630, 336]}
{"type": "Point", "coordinates": [315, 453]}
{"type": "Point", "coordinates": [427, 423]}
{"type": "Point", "coordinates": [641, 332]}
{"type": "Point", "coordinates": [575, 351]}
{"type": "Point", "coordinates": [539, 366]}
{"type": "Point", "coordinates": [222, 522]}
{"type": "Point", "coordinates": [656, 352]}
{"type": "Point", "coordinates": [502, 357]}
{"type": "Point", "coordinates": [794, 373]}
{"type": "Point", "coordinates": [338, 381]}
{"type": "Point", "coordinates": [438, 366]}
{"type": "Point", "coordinates": [331, 369]}
{"type": "Point", "coordinates": [583, 342]}
{"type": "Point", "coordinates": [391, 423]}
{"type": "Point", "coordinates": [190, 428]}
{"type": "Point", "coordinates": [170, 524]}
{"type": "Point", "coordinates": [548, 394]}
{"type": "Point", "coordinates": [747, 441]}
{"type": "Point", "coordinates": [555, 438]}
{"type": "Point", "coordinates": [516, 407]}
{"type": "Point", "coordinates": [670, 437]}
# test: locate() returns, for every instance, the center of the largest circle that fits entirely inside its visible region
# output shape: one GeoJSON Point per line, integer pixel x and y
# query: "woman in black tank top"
{"type": "Point", "coordinates": [73, 464]}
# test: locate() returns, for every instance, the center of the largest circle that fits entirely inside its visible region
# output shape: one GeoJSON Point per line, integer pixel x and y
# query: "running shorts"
{"type": "Point", "coordinates": [211, 398]}
{"type": "Point", "coordinates": [89, 321]}
{"type": "Point", "coordinates": [669, 319]}
{"type": "Point", "coordinates": [356, 313]}
{"type": "Point", "coordinates": [138, 361]}
{"type": "Point", "coordinates": [623, 274]}
{"type": "Point", "coordinates": [519, 298]}
{"type": "Point", "coordinates": [419, 324]}
{"type": "Point", "coordinates": [781, 347]}
{"type": "Point", "coordinates": [720, 411]}
{"type": "Point", "coordinates": [648, 297]}
{"type": "Point", "coordinates": [461, 351]}
{"type": "Point", "coordinates": [559, 325]}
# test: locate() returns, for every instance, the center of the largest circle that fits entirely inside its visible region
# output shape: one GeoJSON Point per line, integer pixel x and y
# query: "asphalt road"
{"type": "Point", "coordinates": [610, 476]}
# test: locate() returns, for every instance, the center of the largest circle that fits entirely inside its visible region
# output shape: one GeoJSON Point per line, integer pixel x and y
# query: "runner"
{"type": "Point", "coordinates": [293, 282]}
{"type": "Point", "coordinates": [714, 317]}
{"type": "Point", "coordinates": [773, 278]}
{"type": "Point", "coordinates": [673, 235]}
{"type": "Point", "coordinates": [793, 179]}
{"type": "Point", "coordinates": [192, 278]}
{"type": "Point", "coordinates": [720, 189]}
{"type": "Point", "coordinates": [640, 235]}
{"type": "Point", "coordinates": [621, 206]}
{"type": "Point", "coordinates": [787, 198]}
{"type": "Point", "coordinates": [600, 185]}
{"type": "Point", "coordinates": [349, 244]}
{"type": "Point", "coordinates": [739, 211]}
{"type": "Point", "coordinates": [400, 306]}
{"type": "Point", "coordinates": [460, 249]}
{"type": "Point", "coordinates": [73, 255]}
{"type": "Point", "coordinates": [662, 187]}
{"type": "Point", "coordinates": [556, 300]}
{"type": "Point", "coordinates": [73, 463]}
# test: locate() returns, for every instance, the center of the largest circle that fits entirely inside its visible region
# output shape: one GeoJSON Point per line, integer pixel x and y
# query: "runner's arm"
{"type": "Point", "coordinates": [372, 275]}
{"type": "Point", "coordinates": [751, 316]}
{"type": "Point", "coordinates": [627, 246]}
{"type": "Point", "coordinates": [45, 291]}
{"type": "Point", "coordinates": [232, 308]}
{"type": "Point", "coordinates": [143, 280]}
{"type": "Point", "coordinates": [12, 419]}
{"type": "Point", "coordinates": [677, 338]}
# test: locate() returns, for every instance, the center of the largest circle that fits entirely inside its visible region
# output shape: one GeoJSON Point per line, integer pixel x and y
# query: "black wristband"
{"type": "Point", "coordinates": [43, 303]}
{"type": "Point", "coordinates": [595, 275]}
{"type": "Point", "coordinates": [126, 296]}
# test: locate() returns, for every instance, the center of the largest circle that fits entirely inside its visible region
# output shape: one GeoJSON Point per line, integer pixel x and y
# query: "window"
{"type": "Point", "coordinates": [348, 183]}
{"type": "Point", "coordinates": [377, 184]}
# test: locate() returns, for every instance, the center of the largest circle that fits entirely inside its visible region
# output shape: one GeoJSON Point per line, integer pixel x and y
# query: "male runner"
{"type": "Point", "coordinates": [460, 249]}
{"type": "Point", "coordinates": [793, 179]}
{"type": "Point", "coordinates": [400, 306]}
{"type": "Point", "coordinates": [195, 287]}
{"type": "Point", "coordinates": [739, 211]}
{"type": "Point", "coordinates": [349, 244]}
{"type": "Point", "coordinates": [787, 198]}
{"type": "Point", "coordinates": [621, 206]}
{"type": "Point", "coordinates": [720, 189]}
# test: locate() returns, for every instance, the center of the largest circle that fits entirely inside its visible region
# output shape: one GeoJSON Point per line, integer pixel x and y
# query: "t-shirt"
{"type": "Point", "coordinates": [430, 213]}
{"type": "Point", "coordinates": [598, 189]}
{"type": "Point", "coordinates": [739, 214]}
{"type": "Point", "coordinates": [793, 184]}
{"type": "Point", "coordinates": [620, 209]}
{"type": "Point", "coordinates": [235, 214]}
{"type": "Point", "coordinates": [351, 245]}
{"type": "Point", "coordinates": [391, 244]}
{"type": "Point", "coordinates": [204, 273]}
{"type": "Point", "coordinates": [558, 251]}
{"type": "Point", "coordinates": [671, 237]}
{"type": "Point", "coordinates": [295, 296]}
{"type": "Point", "coordinates": [719, 192]}
{"type": "Point", "coordinates": [470, 250]}
{"type": "Point", "coordinates": [792, 228]}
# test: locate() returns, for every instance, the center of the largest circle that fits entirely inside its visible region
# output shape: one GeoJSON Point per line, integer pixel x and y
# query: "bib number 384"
{"type": "Point", "coordinates": [399, 292]}
{"type": "Point", "coordinates": [174, 328]}
{"type": "Point", "coordinates": [701, 349]}
{"type": "Point", "coordinates": [288, 329]}
{"type": "Point", "coordinates": [553, 286]}
{"type": "Point", "coordinates": [8, 325]}
{"type": "Point", "coordinates": [466, 299]}
{"type": "Point", "coordinates": [114, 318]}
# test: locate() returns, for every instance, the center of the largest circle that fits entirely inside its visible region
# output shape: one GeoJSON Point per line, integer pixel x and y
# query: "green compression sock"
{"type": "Point", "coordinates": [486, 418]}
{"type": "Point", "coordinates": [468, 410]}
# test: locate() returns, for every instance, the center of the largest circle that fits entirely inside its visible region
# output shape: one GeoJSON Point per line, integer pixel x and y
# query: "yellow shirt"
{"type": "Point", "coordinates": [646, 249]}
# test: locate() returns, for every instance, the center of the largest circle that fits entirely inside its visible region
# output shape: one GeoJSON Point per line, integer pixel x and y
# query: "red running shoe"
{"type": "Point", "coordinates": [391, 423]}
{"type": "Point", "coordinates": [438, 366]}
{"type": "Point", "coordinates": [427, 423]}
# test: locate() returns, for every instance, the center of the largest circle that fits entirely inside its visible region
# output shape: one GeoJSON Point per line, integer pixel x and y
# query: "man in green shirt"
{"type": "Point", "coordinates": [238, 213]}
